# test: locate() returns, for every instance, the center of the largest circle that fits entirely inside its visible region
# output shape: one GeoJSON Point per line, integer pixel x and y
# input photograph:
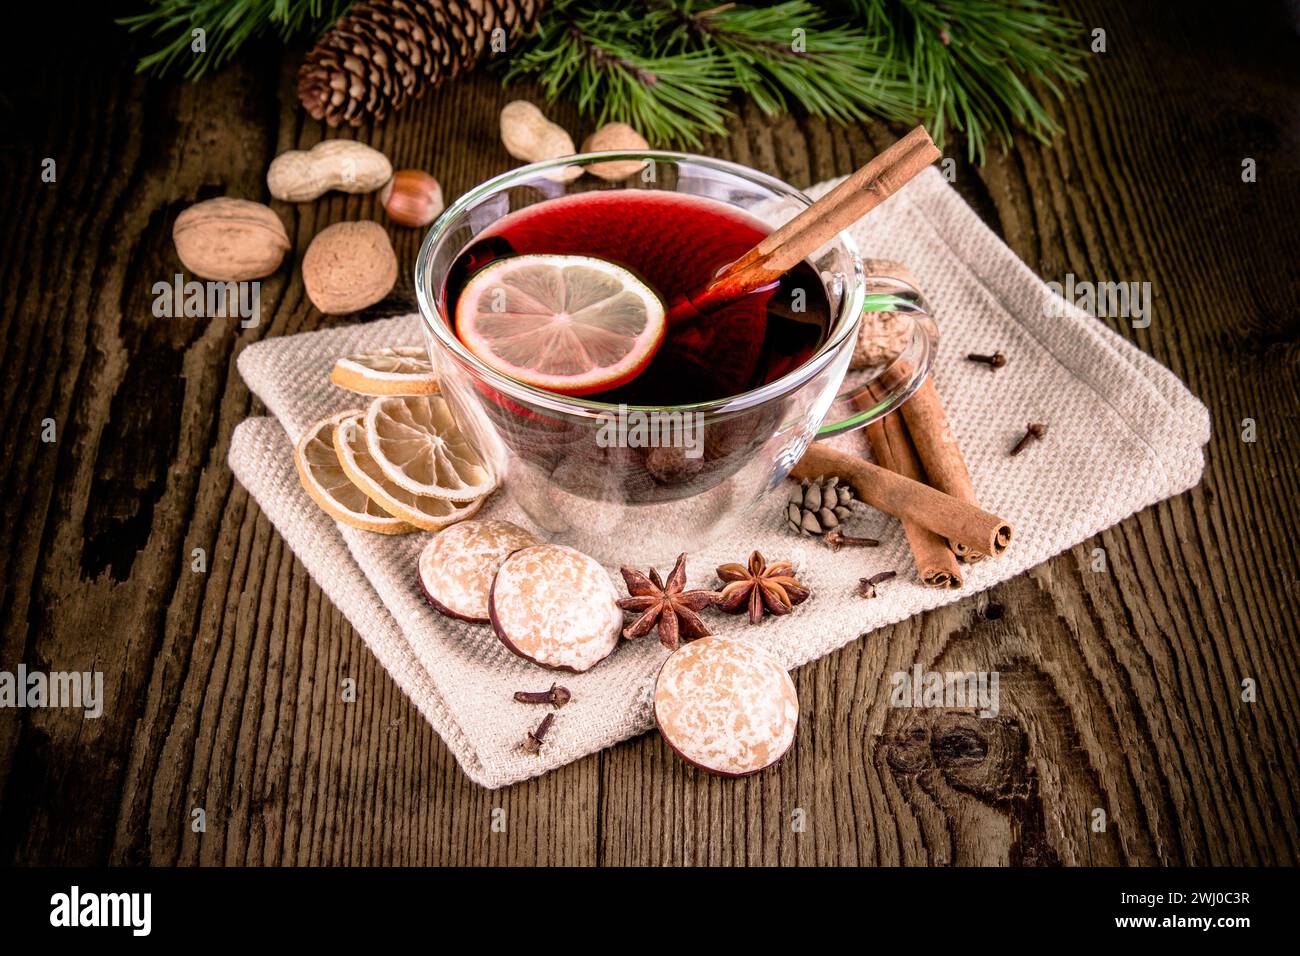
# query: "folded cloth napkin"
{"type": "Point", "coordinates": [1124, 434]}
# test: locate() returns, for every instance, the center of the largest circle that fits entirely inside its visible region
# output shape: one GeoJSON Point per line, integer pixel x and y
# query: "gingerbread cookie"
{"type": "Point", "coordinates": [556, 607]}
{"type": "Point", "coordinates": [726, 706]}
{"type": "Point", "coordinates": [457, 567]}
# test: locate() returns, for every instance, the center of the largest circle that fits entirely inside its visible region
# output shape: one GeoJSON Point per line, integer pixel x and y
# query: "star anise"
{"type": "Point", "coordinates": [760, 585]}
{"type": "Point", "coordinates": [667, 604]}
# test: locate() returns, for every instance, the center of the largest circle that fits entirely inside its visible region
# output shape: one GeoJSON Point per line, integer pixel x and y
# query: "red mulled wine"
{"type": "Point", "coordinates": [676, 243]}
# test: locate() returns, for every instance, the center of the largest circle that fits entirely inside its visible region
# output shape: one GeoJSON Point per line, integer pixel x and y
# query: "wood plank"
{"type": "Point", "coordinates": [1121, 689]}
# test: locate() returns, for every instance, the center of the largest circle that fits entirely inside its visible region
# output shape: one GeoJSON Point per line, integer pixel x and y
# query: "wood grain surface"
{"type": "Point", "coordinates": [1121, 689]}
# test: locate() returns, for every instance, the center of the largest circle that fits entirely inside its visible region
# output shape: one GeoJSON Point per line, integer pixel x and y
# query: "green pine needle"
{"type": "Point", "coordinates": [790, 52]}
{"type": "Point", "coordinates": [227, 26]}
{"type": "Point", "coordinates": [597, 59]}
{"type": "Point", "coordinates": [974, 64]}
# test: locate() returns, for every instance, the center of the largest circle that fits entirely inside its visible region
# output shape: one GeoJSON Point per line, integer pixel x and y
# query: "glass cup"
{"type": "Point", "coordinates": [642, 483]}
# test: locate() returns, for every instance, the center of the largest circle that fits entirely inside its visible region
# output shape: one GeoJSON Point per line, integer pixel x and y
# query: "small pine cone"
{"type": "Point", "coordinates": [383, 52]}
{"type": "Point", "coordinates": [815, 507]}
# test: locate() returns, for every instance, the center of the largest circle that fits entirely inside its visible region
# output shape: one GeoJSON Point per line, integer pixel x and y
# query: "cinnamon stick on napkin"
{"type": "Point", "coordinates": [927, 423]}
{"type": "Point", "coordinates": [940, 455]}
{"type": "Point", "coordinates": [904, 497]}
{"type": "Point", "coordinates": [921, 477]}
{"type": "Point", "coordinates": [935, 561]}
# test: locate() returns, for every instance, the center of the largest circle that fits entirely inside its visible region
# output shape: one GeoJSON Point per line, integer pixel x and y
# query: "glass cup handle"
{"type": "Point", "coordinates": [902, 377]}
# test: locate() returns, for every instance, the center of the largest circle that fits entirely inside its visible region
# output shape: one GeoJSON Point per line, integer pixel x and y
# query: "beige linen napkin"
{"type": "Point", "coordinates": [1124, 434]}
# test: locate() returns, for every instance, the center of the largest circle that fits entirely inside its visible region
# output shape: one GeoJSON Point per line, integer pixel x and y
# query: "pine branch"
{"type": "Point", "coordinates": [227, 25]}
{"type": "Point", "coordinates": [974, 64]}
{"type": "Point", "coordinates": [671, 68]}
{"type": "Point", "coordinates": [790, 52]}
{"type": "Point", "coordinates": [599, 59]}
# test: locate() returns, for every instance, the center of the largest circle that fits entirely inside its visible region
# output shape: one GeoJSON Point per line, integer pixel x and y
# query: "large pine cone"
{"type": "Point", "coordinates": [384, 52]}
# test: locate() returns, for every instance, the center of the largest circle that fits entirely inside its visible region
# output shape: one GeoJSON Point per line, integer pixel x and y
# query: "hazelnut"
{"type": "Point", "coordinates": [412, 198]}
{"type": "Point", "coordinates": [615, 136]}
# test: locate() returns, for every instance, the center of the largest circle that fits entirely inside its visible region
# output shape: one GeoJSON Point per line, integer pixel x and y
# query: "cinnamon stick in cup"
{"type": "Point", "coordinates": [935, 561]}
{"type": "Point", "coordinates": [902, 497]}
{"type": "Point", "coordinates": [816, 225]}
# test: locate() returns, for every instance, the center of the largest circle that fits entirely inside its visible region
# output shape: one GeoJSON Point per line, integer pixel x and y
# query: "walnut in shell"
{"type": "Point", "coordinates": [615, 136]}
{"type": "Point", "coordinates": [348, 266]}
{"type": "Point", "coordinates": [230, 239]}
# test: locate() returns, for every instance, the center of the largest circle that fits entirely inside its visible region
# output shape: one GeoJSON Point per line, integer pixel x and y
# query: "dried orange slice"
{"type": "Point", "coordinates": [404, 370]}
{"type": "Point", "coordinates": [323, 478]}
{"type": "Point", "coordinates": [417, 445]}
{"type": "Point", "coordinates": [422, 511]}
{"type": "Point", "coordinates": [570, 324]}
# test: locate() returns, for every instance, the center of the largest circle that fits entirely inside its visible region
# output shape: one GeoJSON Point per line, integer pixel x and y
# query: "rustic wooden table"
{"type": "Point", "coordinates": [1123, 689]}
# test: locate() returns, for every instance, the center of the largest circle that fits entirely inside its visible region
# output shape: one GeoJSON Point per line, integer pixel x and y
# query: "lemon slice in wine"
{"type": "Point", "coordinates": [575, 325]}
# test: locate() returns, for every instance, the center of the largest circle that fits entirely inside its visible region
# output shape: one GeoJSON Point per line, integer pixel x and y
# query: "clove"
{"type": "Point", "coordinates": [1033, 432]}
{"type": "Point", "coordinates": [533, 744]}
{"type": "Point", "coordinates": [557, 696]}
{"type": "Point", "coordinates": [836, 539]}
{"type": "Point", "coordinates": [994, 361]}
{"type": "Point", "coordinates": [867, 586]}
